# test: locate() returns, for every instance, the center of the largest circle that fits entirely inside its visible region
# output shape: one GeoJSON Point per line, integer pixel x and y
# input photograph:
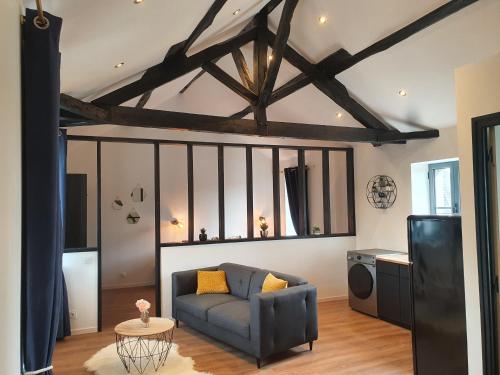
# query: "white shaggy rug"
{"type": "Point", "coordinates": [107, 362]}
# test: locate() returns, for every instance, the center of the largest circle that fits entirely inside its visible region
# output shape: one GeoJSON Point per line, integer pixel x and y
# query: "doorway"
{"type": "Point", "coordinates": [128, 231]}
{"type": "Point", "coordinates": [486, 157]}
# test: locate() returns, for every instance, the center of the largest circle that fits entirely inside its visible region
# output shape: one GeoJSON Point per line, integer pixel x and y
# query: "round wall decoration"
{"type": "Point", "coordinates": [381, 191]}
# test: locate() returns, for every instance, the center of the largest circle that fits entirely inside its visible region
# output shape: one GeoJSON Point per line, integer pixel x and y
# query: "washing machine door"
{"type": "Point", "coordinates": [360, 281]}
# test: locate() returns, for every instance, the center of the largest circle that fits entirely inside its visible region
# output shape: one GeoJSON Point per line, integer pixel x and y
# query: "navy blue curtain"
{"type": "Point", "coordinates": [42, 247]}
{"type": "Point", "coordinates": [292, 190]}
{"type": "Point", "coordinates": [64, 328]}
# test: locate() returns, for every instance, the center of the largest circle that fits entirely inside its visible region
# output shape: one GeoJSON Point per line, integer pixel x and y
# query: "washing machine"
{"type": "Point", "coordinates": [362, 279]}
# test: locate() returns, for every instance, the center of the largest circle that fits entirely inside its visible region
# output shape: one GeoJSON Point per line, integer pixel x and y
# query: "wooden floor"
{"type": "Point", "coordinates": [349, 343]}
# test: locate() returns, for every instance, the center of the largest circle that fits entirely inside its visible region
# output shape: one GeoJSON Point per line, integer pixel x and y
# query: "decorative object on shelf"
{"type": "Point", "coordinates": [178, 223]}
{"type": "Point", "coordinates": [117, 204]}
{"type": "Point", "coordinates": [143, 307]}
{"type": "Point", "coordinates": [203, 234]}
{"type": "Point", "coordinates": [138, 194]}
{"type": "Point", "coordinates": [381, 191]}
{"type": "Point", "coordinates": [133, 217]}
{"type": "Point", "coordinates": [234, 238]}
{"type": "Point", "coordinates": [214, 238]}
{"type": "Point", "coordinates": [263, 227]}
{"type": "Point", "coordinates": [316, 230]}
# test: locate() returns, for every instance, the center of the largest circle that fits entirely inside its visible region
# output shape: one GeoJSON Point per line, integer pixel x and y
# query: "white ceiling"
{"type": "Point", "coordinates": [97, 35]}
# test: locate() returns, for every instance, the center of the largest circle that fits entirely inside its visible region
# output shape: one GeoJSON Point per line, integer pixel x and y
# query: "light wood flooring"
{"type": "Point", "coordinates": [349, 343]}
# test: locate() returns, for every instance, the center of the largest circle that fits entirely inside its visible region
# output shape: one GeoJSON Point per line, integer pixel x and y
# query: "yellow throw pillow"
{"type": "Point", "coordinates": [272, 284]}
{"type": "Point", "coordinates": [212, 282]}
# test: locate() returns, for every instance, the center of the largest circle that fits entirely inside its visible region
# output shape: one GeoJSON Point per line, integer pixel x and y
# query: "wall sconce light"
{"type": "Point", "coordinates": [179, 224]}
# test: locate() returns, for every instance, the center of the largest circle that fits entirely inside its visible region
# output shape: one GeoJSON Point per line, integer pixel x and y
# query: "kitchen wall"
{"type": "Point", "coordinates": [386, 229]}
{"type": "Point", "coordinates": [476, 88]}
{"type": "Point", "coordinates": [10, 188]}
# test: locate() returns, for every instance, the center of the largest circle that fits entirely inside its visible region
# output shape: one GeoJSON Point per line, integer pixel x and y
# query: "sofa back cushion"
{"type": "Point", "coordinates": [238, 278]}
{"type": "Point", "coordinates": [260, 275]}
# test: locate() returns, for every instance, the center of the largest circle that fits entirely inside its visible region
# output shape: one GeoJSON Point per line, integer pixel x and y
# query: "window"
{"type": "Point", "coordinates": [444, 192]}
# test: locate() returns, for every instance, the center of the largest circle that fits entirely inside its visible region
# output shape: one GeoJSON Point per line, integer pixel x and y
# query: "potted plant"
{"type": "Point", "coordinates": [316, 230]}
{"type": "Point", "coordinates": [203, 234]}
{"type": "Point", "coordinates": [263, 227]}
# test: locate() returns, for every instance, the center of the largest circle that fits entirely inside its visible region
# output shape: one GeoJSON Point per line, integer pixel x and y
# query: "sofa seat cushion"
{"type": "Point", "coordinates": [232, 316]}
{"type": "Point", "coordinates": [198, 305]}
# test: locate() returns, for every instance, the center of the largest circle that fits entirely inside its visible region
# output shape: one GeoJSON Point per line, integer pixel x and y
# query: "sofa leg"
{"type": "Point", "coordinates": [176, 323]}
{"type": "Point", "coordinates": [258, 362]}
{"type": "Point", "coordinates": [311, 345]}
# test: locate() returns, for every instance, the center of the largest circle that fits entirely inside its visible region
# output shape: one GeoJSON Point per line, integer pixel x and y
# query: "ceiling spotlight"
{"type": "Point", "coordinates": [236, 12]}
{"type": "Point", "coordinates": [339, 115]}
{"type": "Point", "coordinates": [119, 65]}
{"type": "Point", "coordinates": [270, 57]}
{"type": "Point", "coordinates": [138, 1]}
{"type": "Point", "coordinates": [402, 92]}
{"type": "Point", "coordinates": [322, 20]}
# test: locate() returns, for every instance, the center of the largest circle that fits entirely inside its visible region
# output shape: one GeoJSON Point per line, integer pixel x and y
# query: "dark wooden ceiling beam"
{"type": "Point", "coordinates": [391, 40]}
{"type": "Point", "coordinates": [281, 92]}
{"type": "Point", "coordinates": [260, 62]}
{"type": "Point", "coordinates": [230, 82]}
{"type": "Point", "coordinates": [268, 8]}
{"type": "Point", "coordinates": [143, 100]}
{"type": "Point", "coordinates": [242, 68]}
{"type": "Point", "coordinates": [278, 49]}
{"type": "Point", "coordinates": [150, 118]}
{"type": "Point", "coordinates": [207, 20]}
{"type": "Point", "coordinates": [171, 69]}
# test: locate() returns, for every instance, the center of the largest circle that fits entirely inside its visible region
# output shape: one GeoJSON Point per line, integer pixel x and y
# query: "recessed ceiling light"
{"type": "Point", "coordinates": [270, 57]}
{"type": "Point", "coordinates": [339, 115]}
{"type": "Point", "coordinates": [236, 12]}
{"type": "Point", "coordinates": [402, 92]}
{"type": "Point", "coordinates": [138, 1]}
{"type": "Point", "coordinates": [322, 20]}
{"type": "Point", "coordinates": [119, 65]}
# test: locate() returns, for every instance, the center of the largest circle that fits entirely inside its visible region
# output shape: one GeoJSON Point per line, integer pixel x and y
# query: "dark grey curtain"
{"type": "Point", "coordinates": [293, 192]}
{"type": "Point", "coordinates": [64, 328]}
{"type": "Point", "coordinates": [42, 212]}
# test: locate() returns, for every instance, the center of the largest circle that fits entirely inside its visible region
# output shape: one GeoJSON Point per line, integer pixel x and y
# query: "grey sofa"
{"type": "Point", "coordinates": [259, 324]}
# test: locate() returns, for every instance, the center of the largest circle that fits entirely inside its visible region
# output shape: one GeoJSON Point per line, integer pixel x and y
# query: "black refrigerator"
{"type": "Point", "coordinates": [437, 294]}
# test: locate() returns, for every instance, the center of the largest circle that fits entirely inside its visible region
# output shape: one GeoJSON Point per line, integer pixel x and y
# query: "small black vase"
{"type": "Point", "coordinates": [202, 236]}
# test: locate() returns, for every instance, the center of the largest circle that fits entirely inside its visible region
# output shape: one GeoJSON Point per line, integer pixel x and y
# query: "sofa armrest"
{"type": "Point", "coordinates": [284, 319]}
{"type": "Point", "coordinates": [185, 282]}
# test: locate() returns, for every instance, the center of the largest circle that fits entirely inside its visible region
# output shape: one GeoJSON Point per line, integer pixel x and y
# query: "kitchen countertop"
{"type": "Point", "coordinates": [401, 258]}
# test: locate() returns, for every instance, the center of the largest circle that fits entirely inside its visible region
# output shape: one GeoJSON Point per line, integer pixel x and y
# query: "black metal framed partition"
{"type": "Point", "coordinates": [488, 282]}
{"type": "Point", "coordinates": [219, 150]}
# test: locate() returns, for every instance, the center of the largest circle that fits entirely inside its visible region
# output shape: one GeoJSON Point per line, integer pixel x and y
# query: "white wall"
{"type": "Point", "coordinates": [386, 229]}
{"type": "Point", "coordinates": [10, 188]}
{"type": "Point", "coordinates": [80, 272]}
{"type": "Point", "coordinates": [322, 261]}
{"type": "Point", "coordinates": [477, 88]}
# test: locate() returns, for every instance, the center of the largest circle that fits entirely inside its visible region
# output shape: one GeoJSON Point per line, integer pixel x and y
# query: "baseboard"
{"type": "Point", "coordinates": [82, 331]}
{"type": "Point", "coordinates": [330, 299]}
{"type": "Point", "coordinates": [125, 286]}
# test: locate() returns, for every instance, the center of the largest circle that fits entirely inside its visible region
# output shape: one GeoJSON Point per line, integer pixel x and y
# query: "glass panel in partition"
{"type": "Point", "coordinates": [289, 192]}
{"type": "Point", "coordinates": [262, 162]}
{"type": "Point", "coordinates": [314, 175]}
{"type": "Point", "coordinates": [81, 195]}
{"type": "Point", "coordinates": [173, 193]}
{"type": "Point", "coordinates": [235, 192]}
{"type": "Point", "coordinates": [206, 191]}
{"type": "Point", "coordinates": [338, 192]}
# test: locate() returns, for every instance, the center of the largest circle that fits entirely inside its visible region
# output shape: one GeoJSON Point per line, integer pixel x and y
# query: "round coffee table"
{"type": "Point", "coordinates": [140, 346]}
